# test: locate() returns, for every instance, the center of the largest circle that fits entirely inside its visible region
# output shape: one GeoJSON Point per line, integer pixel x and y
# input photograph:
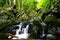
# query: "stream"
{"type": "Point", "coordinates": [31, 30]}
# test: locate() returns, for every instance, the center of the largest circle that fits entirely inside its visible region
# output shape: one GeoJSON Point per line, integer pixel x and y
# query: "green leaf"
{"type": "Point", "coordinates": [43, 4]}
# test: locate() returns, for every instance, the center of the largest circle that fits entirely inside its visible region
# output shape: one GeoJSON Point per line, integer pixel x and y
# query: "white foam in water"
{"type": "Point", "coordinates": [43, 35]}
{"type": "Point", "coordinates": [23, 35]}
{"type": "Point", "coordinates": [43, 24]}
{"type": "Point", "coordinates": [9, 37]}
{"type": "Point", "coordinates": [50, 36]}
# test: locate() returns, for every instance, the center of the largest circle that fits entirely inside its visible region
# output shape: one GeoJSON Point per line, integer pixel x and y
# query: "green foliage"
{"type": "Point", "coordinates": [55, 1]}
{"type": "Point", "coordinates": [26, 10]}
{"type": "Point", "coordinates": [1, 3]}
{"type": "Point", "coordinates": [30, 3]}
{"type": "Point", "coordinates": [50, 20]}
{"type": "Point", "coordinates": [45, 4]}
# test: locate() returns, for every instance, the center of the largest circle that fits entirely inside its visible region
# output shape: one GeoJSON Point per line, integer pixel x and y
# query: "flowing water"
{"type": "Point", "coordinates": [22, 31]}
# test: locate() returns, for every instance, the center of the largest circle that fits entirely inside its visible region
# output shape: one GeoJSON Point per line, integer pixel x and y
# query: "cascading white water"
{"type": "Point", "coordinates": [19, 30]}
{"type": "Point", "coordinates": [24, 34]}
{"type": "Point", "coordinates": [43, 26]}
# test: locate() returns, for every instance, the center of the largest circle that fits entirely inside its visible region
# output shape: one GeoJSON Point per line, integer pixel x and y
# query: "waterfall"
{"type": "Point", "coordinates": [22, 33]}
{"type": "Point", "coordinates": [26, 29]}
{"type": "Point", "coordinates": [19, 30]}
{"type": "Point", "coordinates": [43, 29]}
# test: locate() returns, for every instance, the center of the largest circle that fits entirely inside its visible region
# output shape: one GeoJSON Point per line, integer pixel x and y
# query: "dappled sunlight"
{"type": "Point", "coordinates": [30, 19]}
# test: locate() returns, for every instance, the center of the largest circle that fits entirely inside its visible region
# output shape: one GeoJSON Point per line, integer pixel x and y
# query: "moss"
{"type": "Point", "coordinates": [50, 20]}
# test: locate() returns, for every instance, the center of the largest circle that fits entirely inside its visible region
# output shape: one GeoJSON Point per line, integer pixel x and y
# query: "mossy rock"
{"type": "Point", "coordinates": [50, 20]}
